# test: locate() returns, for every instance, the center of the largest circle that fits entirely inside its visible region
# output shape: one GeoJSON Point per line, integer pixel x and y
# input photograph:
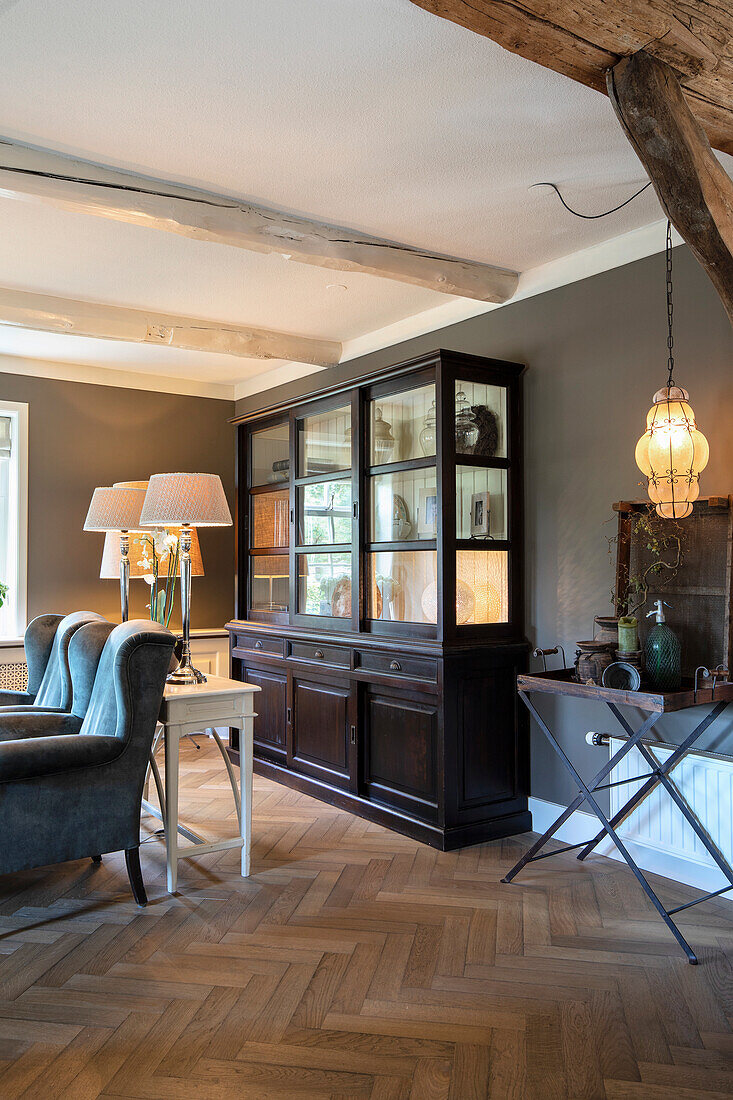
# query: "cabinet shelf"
{"type": "Point", "coordinates": [400, 467]}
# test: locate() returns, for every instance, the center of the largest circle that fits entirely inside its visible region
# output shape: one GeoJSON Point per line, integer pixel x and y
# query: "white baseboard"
{"type": "Point", "coordinates": [583, 826]}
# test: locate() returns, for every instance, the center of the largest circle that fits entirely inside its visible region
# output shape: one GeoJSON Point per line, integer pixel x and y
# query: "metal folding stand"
{"type": "Point", "coordinates": [561, 683]}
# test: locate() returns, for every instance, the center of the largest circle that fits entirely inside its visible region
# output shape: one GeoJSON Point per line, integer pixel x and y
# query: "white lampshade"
{"type": "Point", "coordinates": [173, 500]}
{"type": "Point", "coordinates": [110, 569]}
{"type": "Point", "coordinates": [115, 508]}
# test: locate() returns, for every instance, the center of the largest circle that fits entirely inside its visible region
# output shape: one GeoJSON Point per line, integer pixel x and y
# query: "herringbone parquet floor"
{"type": "Point", "coordinates": [355, 963]}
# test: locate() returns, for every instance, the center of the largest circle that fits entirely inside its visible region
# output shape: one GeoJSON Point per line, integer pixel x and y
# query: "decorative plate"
{"type": "Point", "coordinates": [623, 676]}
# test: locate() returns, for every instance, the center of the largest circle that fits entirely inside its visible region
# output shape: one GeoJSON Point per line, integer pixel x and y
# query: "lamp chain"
{"type": "Point", "coordinates": [670, 307]}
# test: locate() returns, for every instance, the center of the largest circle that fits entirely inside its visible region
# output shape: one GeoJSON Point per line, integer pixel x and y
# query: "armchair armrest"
{"type": "Point", "coordinates": [15, 698]}
{"type": "Point", "coordinates": [42, 756]}
{"type": "Point", "coordinates": [16, 725]}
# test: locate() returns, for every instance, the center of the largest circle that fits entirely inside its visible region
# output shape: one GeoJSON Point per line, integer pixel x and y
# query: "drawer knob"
{"type": "Point", "coordinates": [258, 645]}
{"type": "Point", "coordinates": [318, 653]}
{"type": "Point", "coordinates": [395, 666]}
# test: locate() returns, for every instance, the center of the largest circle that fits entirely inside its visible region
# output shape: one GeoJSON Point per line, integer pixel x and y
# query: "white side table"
{"type": "Point", "coordinates": [198, 708]}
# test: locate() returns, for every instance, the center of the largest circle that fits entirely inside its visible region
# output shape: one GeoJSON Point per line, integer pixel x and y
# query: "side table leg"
{"type": "Point", "coordinates": [245, 780]}
{"type": "Point", "coordinates": [171, 807]}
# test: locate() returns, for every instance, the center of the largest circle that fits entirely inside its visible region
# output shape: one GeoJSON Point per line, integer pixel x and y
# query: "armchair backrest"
{"type": "Point", "coordinates": [38, 642]}
{"type": "Point", "coordinates": [55, 688]}
{"type": "Point", "coordinates": [85, 652]}
{"type": "Point", "coordinates": [129, 683]}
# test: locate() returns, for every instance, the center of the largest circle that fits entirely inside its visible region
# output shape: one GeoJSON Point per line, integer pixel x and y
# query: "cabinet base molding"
{"type": "Point", "coordinates": [445, 840]}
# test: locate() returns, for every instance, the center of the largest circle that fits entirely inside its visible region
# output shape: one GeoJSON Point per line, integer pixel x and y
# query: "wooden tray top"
{"type": "Point", "coordinates": [562, 682]}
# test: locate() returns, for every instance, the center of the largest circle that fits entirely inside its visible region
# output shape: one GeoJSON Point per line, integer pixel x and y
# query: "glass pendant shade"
{"type": "Point", "coordinates": [672, 453]}
{"type": "Point", "coordinates": [383, 440]}
{"type": "Point", "coordinates": [466, 427]}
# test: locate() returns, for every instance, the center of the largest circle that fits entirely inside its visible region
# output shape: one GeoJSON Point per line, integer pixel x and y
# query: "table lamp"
{"type": "Point", "coordinates": [117, 508]}
{"type": "Point", "coordinates": [110, 568]}
{"type": "Point", "coordinates": [185, 501]}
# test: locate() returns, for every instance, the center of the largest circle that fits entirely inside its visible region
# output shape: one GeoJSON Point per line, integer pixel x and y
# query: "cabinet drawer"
{"type": "Point", "coordinates": [258, 643]}
{"type": "Point", "coordinates": [330, 655]}
{"type": "Point", "coordinates": [399, 664]}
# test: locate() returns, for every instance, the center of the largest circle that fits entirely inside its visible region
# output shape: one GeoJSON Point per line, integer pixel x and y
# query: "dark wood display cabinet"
{"type": "Point", "coordinates": [379, 535]}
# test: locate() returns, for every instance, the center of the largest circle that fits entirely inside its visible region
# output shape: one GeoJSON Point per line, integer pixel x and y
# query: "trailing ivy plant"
{"type": "Point", "coordinates": [3, 593]}
{"type": "Point", "coordinates": [664, 542]}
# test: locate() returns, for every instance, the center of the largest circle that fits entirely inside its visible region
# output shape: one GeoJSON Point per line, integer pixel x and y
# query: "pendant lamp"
{"type": "Point", "coordinates": [672, 452]}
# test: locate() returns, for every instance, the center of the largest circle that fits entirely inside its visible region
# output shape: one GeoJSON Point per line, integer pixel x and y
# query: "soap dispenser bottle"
{"type": "Point", "coordinates": [663, 653]}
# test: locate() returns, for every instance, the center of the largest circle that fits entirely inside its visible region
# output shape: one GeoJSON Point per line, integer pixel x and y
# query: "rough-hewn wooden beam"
{"type": "Point", "coordinates": [586, 38]}
{"type": "Point", "coordinates": [47, 313]}
{"type": "Point", "coordinates": [693, 188]}
{"type": "Point", "coordinates": [76, 185]}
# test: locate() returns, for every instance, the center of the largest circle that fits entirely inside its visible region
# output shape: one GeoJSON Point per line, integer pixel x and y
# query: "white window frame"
{"type": "Point", "coordinates": [18, 413]}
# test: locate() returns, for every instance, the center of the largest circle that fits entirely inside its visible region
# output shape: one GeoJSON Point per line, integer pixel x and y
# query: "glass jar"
{"type": "Point", "coordinates": [382, 439]}
{"type": "Point", "coordinates": [466, 427]}
{"type": "Point", "coordinates": [428, 433]}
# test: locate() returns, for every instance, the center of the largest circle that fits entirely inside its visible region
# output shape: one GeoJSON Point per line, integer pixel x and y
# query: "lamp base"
{"type": "Point", "coordinates": [185, 674]}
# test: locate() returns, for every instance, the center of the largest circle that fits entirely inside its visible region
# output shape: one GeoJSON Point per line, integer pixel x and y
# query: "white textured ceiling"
{"type": "Point", "coordinates": [367, 113]}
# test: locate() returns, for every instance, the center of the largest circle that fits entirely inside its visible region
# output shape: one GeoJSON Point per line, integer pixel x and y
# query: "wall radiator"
{"type": "Point", "coordinates": [13, 675]}
{"type": "Point", "coordinates": [705, 781]}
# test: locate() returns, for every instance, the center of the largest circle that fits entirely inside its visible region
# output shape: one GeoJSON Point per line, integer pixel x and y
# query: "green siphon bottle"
{"type": "Point", "coordinates": [663, 653]}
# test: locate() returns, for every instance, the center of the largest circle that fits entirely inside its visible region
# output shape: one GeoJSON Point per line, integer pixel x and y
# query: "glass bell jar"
{"type": "Point", "coordinates": [428, 433]}
{"type": "Point", "coordinates": [466, 427]}
{"type": "Point", "coordinates": [382, 439]}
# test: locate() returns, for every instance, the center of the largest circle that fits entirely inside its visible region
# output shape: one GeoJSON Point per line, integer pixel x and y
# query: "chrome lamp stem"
{"type": "Point", "coordinates": [124, 575]}
{"type": "Point", "coordinates": [185, 673]}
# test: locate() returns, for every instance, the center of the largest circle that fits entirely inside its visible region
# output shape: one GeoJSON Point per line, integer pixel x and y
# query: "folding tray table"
{"type": "Point", "coordinates": [655, 704]}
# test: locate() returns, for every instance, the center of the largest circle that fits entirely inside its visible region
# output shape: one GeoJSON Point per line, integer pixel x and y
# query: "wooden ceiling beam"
{"type": "Point", "coordinates": [695, 191]}
{"type": "Point", "coordinates": [61, 181]}
{"type": "Point", "coordinates": [48, 313]}
{"type": "Point", "coordinates": [584, 39]}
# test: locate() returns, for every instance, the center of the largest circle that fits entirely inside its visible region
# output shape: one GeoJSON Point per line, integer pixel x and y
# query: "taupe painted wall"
{"type": "Point", "coordinates": [596, 353]}
{"type": "Point", "coordinates": [81, 436]}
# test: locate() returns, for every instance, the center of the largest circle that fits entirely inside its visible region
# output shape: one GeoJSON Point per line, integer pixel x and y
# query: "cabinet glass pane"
{"type": "Point", "coordinates": [270, 455]}
{"type": "Point", "coordinates": [402, 426]}
{"type": "Point", "coordinates": [324, 513]}
{"type": "Point", "coordinates": [324, 442]}
{"type": "Point", "coordinates": [481, 503]}
{"type": "Point", "coordinates": [482, 586]}
{"type": "Point", "coordinates": [269, 582]}
{"type": "Point", "coordinates": [480, 419]}
{"type": "Point", "coordinates": [270, 519]}
{"type": "Point", "coordinates": [403, 506]}
{"type": "Point", "coordinates": [401, 586]}
{"type": "Point", "coordinates": [324, 584]}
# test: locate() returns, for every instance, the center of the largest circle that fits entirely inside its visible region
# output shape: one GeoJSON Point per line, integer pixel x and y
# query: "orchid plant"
{"type": "Point", "coordinates": [160, 556]}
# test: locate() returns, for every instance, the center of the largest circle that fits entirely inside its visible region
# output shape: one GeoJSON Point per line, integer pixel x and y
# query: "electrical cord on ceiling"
{"type": "Point", "coordinates": [592, 217]}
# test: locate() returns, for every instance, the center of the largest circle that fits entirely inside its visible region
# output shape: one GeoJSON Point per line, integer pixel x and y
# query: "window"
{"type": "Point", "coordinates": [13, 516]}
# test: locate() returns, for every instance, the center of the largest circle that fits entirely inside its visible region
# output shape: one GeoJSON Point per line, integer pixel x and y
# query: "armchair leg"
{"type": "Point", "coordinates": [96, 859]}
{"type": "Point", "coordinates": [132, 859]}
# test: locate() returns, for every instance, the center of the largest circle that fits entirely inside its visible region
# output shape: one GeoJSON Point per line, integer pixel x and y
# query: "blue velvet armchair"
{"type": "Point", "coordinates": [85, 651]}
{"type": "Point", "coordinates": [46, 642]}
{"type": "Point", "coordinates": [65, 796]}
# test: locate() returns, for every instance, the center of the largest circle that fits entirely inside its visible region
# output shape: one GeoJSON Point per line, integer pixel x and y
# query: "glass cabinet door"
{"type": "Point", "coordinates": [324, 442]}
{"type": "Point", "coordinates": [482, 512]}
{"type": "Point", "coordinates": [402, 507]}
{"type": "Point", "coordinates": [269, 523]}
{"type": "Point", "coordinates": [325, 514]}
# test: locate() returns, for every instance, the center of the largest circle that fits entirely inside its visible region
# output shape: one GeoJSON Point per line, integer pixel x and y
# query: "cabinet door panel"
{"type": "Point", "coordinates": [270, 704]}
{"type": "Point", "coordinates": [489, 750]}
{"type": "Point", "coordinates": [321, 712]}
{"type": "Point", "coordinates": [400, 747]}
